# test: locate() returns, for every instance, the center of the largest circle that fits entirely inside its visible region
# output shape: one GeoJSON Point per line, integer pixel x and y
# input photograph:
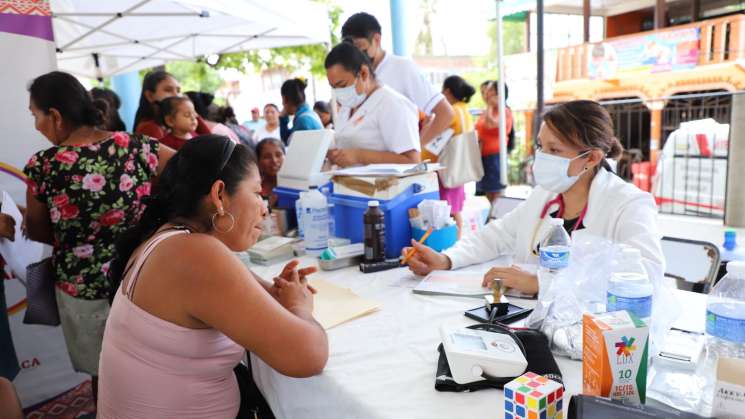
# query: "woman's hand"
{"type": "Point", "coordinates": [425, 260]}
{"type": "Point", "coordinates": [294, 293]}
{"type": "Point", "coordinates": [287, 273]}
{"type": "Point", "coordinates": [7, 227]}
{"type": "Point", "coordinates": [344, 158]}
{"type": "Point", "coordinates": [512, 277]}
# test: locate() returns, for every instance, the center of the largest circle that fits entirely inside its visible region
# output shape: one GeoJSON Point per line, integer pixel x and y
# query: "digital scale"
{"type": "Point", "coordinates": [474, 355]}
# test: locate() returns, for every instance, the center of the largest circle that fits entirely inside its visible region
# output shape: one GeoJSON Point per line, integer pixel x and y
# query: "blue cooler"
{"type": "Point", "coordinates": [349, 212]}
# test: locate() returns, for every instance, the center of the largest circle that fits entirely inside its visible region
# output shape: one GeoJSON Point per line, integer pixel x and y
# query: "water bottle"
{"type": "Point", "coordinates": [299, 213]}
{"type": "Point", "coordinates": [374, 220]}
{"type": "Point", "coordinates": [554, 256]}
{"type": "Point", "coordinates": [729, 250]}
{"type": "Point", "coordinates": [725, 314]}
{"type": "Point", "coordinates": [630, 288]}
{"type": "Point", "coordinates": [315, 222]}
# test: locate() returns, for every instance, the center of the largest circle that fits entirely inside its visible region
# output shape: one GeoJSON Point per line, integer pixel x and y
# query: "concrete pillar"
{"type": "Point", "coordinates": [734, 213]}
{"type": "Point", "coordinates": [401, 15]}
{"type": "Point", "coordinates": [128, 87]}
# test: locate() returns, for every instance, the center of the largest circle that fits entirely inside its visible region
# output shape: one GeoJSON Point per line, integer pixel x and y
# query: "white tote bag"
{"type": "Point", "coordinates": [462, 159]}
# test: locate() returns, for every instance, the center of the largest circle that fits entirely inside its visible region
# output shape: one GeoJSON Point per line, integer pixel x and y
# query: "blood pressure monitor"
{"type": "Point", "coordinates": [473, 354]}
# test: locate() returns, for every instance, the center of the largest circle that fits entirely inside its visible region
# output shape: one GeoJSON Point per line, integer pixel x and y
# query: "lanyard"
{"type": "Point", "coordinates": [559, 200]}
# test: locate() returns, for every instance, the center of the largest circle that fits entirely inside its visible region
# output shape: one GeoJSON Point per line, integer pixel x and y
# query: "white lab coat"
{"type": "Point", "coordinates": [616, 210]}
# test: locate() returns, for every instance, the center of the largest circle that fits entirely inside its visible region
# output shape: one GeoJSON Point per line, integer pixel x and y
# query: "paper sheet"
{"type": "Point", "coordinates": [22, 252]}
{"type": "Point", "coordinates": [334, 305]}
{"type": "Point", "coordinates": [454, 283]}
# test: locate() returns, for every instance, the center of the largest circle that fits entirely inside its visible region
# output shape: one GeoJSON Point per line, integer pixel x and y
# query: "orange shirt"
{"type": "Point", "coordinates": [489, 137]}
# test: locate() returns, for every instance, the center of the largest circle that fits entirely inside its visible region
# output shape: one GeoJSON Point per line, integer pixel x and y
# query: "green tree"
{"type": "Point", "coordinates": [424, 39]}
{"type": "Point", "coordinates": [195, 75]}
{"type": "Point", "coordinates": [309, 57]}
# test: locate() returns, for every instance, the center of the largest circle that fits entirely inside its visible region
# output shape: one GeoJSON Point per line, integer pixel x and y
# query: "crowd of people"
{"type": "Point", "coordinates": [164, 339]}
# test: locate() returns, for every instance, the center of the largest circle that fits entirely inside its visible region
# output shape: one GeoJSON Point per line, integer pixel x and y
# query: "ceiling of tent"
{"type": "Point", "coordinates": [103, 38]}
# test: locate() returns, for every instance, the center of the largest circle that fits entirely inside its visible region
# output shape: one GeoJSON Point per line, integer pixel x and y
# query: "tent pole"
{"type": "Point", "coordinates": [502, 105]}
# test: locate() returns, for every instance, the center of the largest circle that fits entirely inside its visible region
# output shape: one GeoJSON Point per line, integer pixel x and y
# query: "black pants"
{"type": "Point", "coordinates": [253, 404]}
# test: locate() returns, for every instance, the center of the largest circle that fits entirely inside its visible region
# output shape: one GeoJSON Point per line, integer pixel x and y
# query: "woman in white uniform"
{"type": "Point", "coordinates": [574, 182]}
{"type": "Point", "coordinates": [375, 124]}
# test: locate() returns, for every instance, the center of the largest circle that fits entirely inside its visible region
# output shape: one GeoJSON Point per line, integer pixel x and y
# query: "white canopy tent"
{"type": "Point", "coordinates": [97, 39]}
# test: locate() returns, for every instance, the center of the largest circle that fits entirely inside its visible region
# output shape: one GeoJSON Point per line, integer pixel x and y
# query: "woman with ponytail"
{"type": "Point", "coordinates": [574, 182]}
{"type": "Point", "coordinates": [293, 103]}
{"type": "Point", "coordinates": [83, 193]}
{"type": "Point", "coordinates": [177, 330]}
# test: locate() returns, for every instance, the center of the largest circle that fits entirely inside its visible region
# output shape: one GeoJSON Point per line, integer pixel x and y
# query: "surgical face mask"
{"type": "Point", "coordinates": [552, 172]}
{"type": "Point", "coordinates": [348, 96]}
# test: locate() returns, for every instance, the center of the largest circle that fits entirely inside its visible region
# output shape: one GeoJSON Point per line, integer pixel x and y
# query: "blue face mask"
{"type": "Point", "coordinates": [552, 172]}
{"type": "Point", "coordinates": [348, 96]}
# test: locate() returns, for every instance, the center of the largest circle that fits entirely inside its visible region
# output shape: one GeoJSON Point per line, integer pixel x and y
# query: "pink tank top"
{"type": "Point", "coordinates": [152, 368]}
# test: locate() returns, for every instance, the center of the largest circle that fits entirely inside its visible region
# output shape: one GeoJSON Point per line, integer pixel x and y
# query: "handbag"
{"type": "Point", "coordinates": [461, 159]}
{"type": "Point", "coordinates": [253, 403]}
{"type": "Point", "coordinates": [42, 303]}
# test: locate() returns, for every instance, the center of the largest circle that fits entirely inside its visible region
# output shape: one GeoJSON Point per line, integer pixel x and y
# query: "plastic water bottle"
{"type": "Point", "coordinates": [299, 213]}
{"type": "Point", "coordinates": [315, 222]}
{"type": "Point", "coordinates": [555, 251]}
{"type": "Point", "coordinates": [630, 288]}
{"type": "Point", "coordinates": [725, 314]}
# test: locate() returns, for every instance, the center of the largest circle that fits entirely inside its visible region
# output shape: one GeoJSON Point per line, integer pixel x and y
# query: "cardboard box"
{"type": "Point", "coordinates": [614, 356]}
{"type": "Point", "coordinates": [729, 390]}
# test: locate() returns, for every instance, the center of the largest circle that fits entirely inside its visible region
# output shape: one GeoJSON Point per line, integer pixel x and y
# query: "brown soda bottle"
{"type": "Point", "coordinates": [374, 220]}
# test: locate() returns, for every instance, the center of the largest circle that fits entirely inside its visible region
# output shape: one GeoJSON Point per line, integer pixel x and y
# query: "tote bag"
{"type": "Point", "coordinates": [462, 159]}
{"type": "Point", "coordinates": [42, 303]}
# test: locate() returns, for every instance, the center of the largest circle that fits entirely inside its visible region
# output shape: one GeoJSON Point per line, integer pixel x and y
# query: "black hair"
{"type": "Point", "coordinates": [64, 93]}
{"type": "Point", "coordinates": [459, 88]}
{"type": "Point", "coordinates": [202, 102]}
{"type": "Point", "coordinates": [227, 115]}
{"type": "Point", "coordinates": [272, 105]}
{"type": "Point", "coordinates": [168, 107]}
{"type": "Point", "coordinates": [322, 106]}
{"type": "Point", "coordinates": [294, 91]}
{"type": "Point", "coordinates": [180, 190]}
{"type": "Point", "coordinates": [349, 57]}
{"type": "Point", "coordinates": [268, 140]}
{"type": "Point", "coordinates": [149, 111]}
{"type": "Point", "coordinates": [494, 84]}
{"type": "Point", "coordinates": [112, 121]}
{"type": "Point", "coordinates": [360, 25]}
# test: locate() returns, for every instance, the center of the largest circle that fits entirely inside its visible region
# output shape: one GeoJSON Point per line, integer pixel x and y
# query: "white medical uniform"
{"type": "Point", "coordinates": [386, 121]}
{"type": "Point", "coordinates": [402, 75]}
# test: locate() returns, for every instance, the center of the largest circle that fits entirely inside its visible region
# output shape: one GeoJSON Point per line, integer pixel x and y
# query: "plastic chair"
{"type": "Point", "coordinates": [693, 264]}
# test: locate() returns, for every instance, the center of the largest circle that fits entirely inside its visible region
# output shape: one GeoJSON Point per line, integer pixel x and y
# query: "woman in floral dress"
{"type": "Point", "coordinates": [82, 193]}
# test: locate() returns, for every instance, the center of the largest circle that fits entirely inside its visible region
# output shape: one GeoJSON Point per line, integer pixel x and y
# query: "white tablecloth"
{"type": "Point", "coordinates": [383, 365]}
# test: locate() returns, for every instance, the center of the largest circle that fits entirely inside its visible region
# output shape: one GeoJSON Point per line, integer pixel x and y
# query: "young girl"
{"type": "Point", "coordinates": [181, 119]}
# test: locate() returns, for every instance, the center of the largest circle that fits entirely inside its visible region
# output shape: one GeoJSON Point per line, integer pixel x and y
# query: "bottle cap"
{"type": "Point", "coordinates": [373, 203]}
{"type": "Point", "coordinates": [736, 268]}
{"type": "Point", "coordinates": [730, 239]}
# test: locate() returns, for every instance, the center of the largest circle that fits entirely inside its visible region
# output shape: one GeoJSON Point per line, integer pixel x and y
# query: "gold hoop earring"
{"type": "Point", "coordinates": [232, 222]}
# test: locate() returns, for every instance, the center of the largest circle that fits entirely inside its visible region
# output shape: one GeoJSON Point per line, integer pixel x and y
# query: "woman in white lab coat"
{"type": "Point", "coordinates": [574, 182]}
{"type": "Point", "coordinates": [375, 124]}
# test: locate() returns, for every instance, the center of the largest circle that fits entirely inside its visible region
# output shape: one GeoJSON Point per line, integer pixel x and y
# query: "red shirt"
{"type": "Point", "coordinates": [157, 131]}
{"type": "Point", "coordinates": [173, 141]}
{"type": "Point", "coordinates": [489, 137]}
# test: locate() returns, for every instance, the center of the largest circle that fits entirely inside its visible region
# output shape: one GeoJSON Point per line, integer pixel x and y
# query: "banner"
{"type": "Point", "coordinates": [28, 50]}
{"type": "Point", "coordinates": [653, 53]}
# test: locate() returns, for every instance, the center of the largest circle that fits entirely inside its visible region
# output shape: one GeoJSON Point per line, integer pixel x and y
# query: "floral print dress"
{"type": "Point", "coordinates": [93, 193]}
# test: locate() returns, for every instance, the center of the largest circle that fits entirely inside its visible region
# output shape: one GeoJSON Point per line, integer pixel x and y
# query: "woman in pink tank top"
{"type": "Point", "coordinates": [186, 308]}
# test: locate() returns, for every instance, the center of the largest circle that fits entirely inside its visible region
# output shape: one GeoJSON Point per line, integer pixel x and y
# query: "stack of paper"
{"type": "Point", "coordinates": [460, 284]}
{"type": "Point", "coordinates": [333, 305]}
{"type": "Point", "coordinates": [272, 250]}
{"type": "Point", "coordinates": [398, 170]}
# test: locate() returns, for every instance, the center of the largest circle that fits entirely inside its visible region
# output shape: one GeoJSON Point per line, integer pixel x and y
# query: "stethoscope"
{"type": "Point", "coordinates": [559, 200]}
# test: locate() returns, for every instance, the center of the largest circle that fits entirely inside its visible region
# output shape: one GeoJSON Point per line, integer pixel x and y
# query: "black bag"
{"type": "Point", "coordinates": [591, 407]}
{"type": "Point", "coordinates": [253, 404]}
{"type": "Point", "coordinates": [42, 304]}
{"type": "Point", "coordinates": [536, 349]}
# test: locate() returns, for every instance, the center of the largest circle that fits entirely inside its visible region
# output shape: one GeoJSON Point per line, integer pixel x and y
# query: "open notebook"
{"type": "Point", "coordinates": [334, 305]}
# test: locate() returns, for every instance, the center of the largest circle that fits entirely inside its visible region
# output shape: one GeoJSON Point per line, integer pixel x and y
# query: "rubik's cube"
{"type": "Point", "coordinates": [533, 396]}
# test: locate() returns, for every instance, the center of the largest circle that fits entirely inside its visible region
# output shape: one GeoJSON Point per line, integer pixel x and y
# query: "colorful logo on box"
{"type": "Point", "coordinates": [626, 346]}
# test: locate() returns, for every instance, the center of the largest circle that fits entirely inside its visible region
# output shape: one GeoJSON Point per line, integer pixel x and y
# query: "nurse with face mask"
{"type": "Point", "coordinates": [574, 182]}
{"type": "Point", "coordinates": [375, 124]}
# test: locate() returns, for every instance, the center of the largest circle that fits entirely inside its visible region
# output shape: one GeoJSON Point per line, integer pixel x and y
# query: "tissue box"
{"type": "Point", "coordinates": [533, 396]}
{"type": "Point", "coordinates": [614, 356]}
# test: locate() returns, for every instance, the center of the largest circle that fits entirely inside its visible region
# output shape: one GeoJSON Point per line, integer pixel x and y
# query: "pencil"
{"type": "Point", "coordinates": [412, 252]}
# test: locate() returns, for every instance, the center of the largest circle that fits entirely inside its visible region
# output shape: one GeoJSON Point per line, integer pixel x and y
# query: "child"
{"type": "Point", "coordinates": [181, 119]}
